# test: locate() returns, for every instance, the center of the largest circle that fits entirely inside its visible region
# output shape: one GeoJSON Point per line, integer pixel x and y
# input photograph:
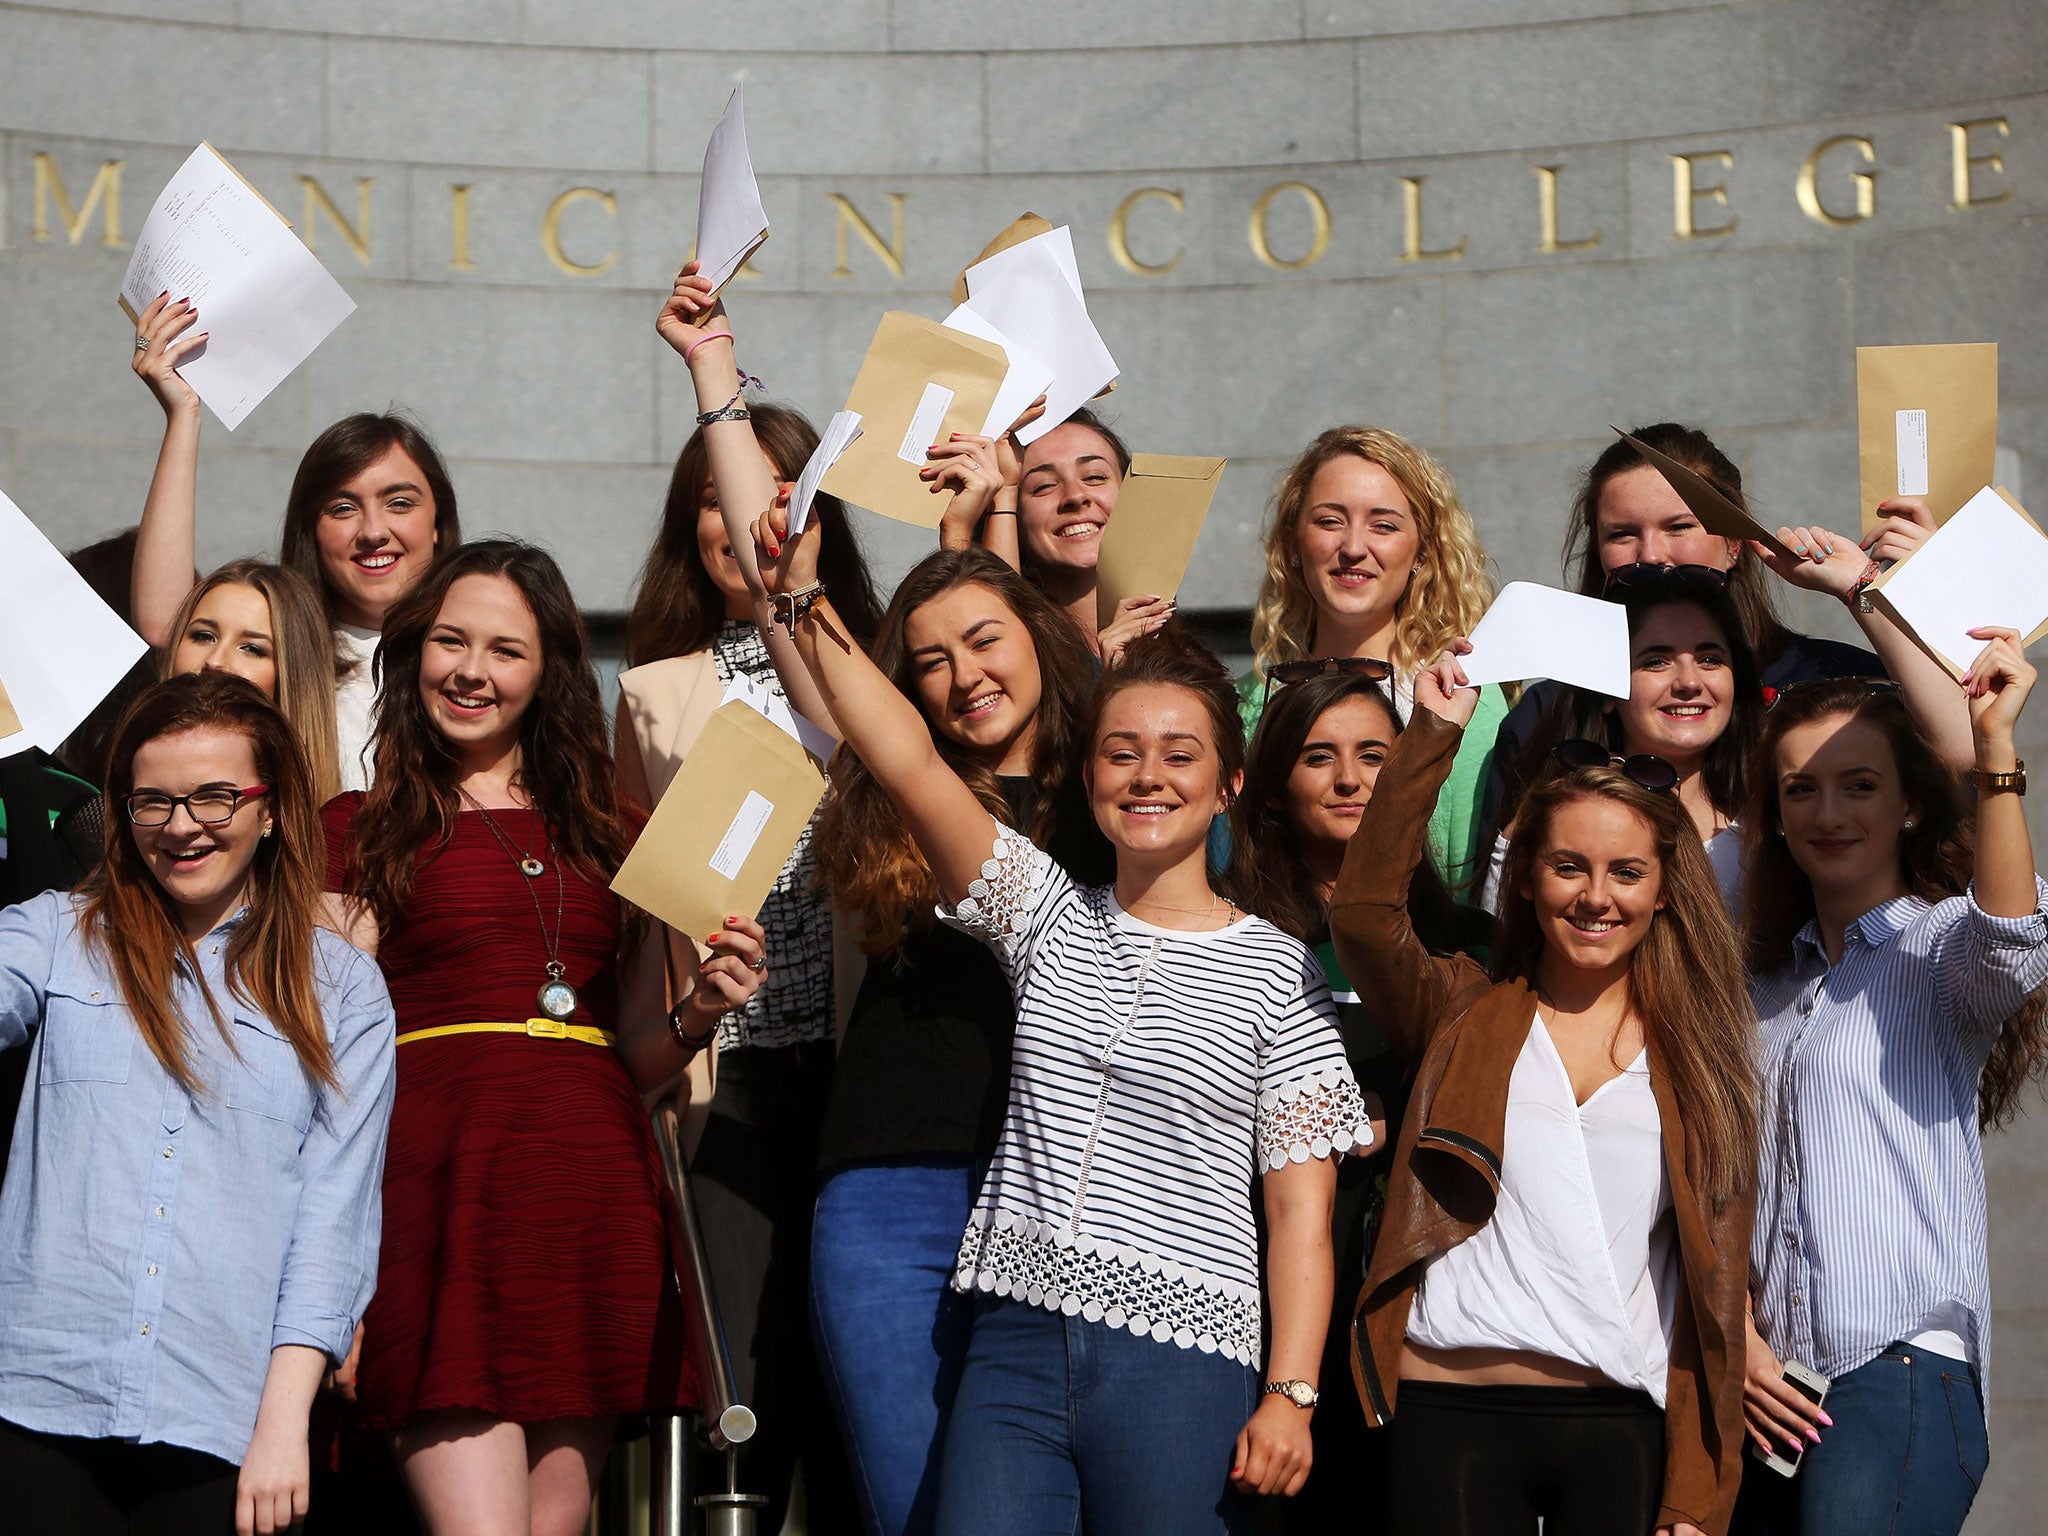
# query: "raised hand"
{"type": "Point", "coordinates": [1010, 452]}
{"type": "Point", "coordinates": [1825, 562]}
{"type": "Point", "coordinates": [1907, 524]}
{"type": "Point", "coordinates": [164, 340]}
{"type": "Point", "coordinates": [690, 313]}
{"type": "Point", "coordinates": [1997, 686]}
{"type": "Point", "coordinates": [787, 564]}
{"type": "Point", "coordinates": [1135, 616]}
{"type": "Point", "coordinates": [965, 465]}
{"type": "Point", "coordinates": [1443, 689]}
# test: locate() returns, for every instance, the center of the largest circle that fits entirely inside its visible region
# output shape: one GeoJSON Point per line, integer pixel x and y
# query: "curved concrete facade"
{"type": "Point", "coordinates": [1495, 225]}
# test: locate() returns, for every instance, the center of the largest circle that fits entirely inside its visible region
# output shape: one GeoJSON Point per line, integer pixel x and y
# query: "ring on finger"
{"type": "Point", "coordinates": [142, 343]}
{"type": "Point", "coordinates": [758, 963]}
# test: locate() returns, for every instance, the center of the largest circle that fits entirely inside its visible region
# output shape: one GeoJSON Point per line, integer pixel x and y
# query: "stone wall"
{"type": "Point", "coordinates": [1496, 225]}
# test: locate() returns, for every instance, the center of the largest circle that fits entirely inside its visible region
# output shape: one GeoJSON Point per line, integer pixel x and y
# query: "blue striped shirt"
{"type": "Point", "coordinates": [1870, 1218]}
{"type": "Point", "coordinates": [155, 1244]}
{"type": "Point", "coordinates": [1155, 1071]}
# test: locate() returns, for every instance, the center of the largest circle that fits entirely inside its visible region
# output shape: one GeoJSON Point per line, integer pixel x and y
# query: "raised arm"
{"type": "Point", "coordinates": [1997, 685]}
{"type": "Point", "coordinates": [1409, 991]}
{"type": "Point", "coordinates": [697, 326]}
{"type": "Point", "coordinates": [1836, 566]}
{"type": "Point", "coordinates": [164, 560]}
{"type": "Point", "coordinates": [883, 728]}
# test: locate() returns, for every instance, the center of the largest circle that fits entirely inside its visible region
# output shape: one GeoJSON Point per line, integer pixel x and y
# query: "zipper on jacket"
{"type": "Point", "coordinates": [1463, 1143]}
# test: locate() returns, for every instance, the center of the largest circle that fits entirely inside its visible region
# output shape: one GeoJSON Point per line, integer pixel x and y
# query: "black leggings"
{"type": "Point", "coordinates": [1488, 1461]}
{"type": "Point", "coordinates": [80, 1487]}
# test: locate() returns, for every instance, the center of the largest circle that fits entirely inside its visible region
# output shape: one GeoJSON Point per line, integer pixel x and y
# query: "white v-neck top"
{"type": "Point", "coordinates": [1580, 1260]}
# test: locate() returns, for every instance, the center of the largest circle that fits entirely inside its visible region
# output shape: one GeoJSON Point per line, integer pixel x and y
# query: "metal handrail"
{"type": "Point", "coordinates": [728, 1422]}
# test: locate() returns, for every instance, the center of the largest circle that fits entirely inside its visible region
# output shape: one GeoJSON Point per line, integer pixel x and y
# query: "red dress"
{"type": "Point", "coordinates": [525, 1268]}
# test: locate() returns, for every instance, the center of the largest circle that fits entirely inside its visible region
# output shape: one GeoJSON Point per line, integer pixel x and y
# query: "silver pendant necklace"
{"type": "Point", "coordinates": [556, 998]}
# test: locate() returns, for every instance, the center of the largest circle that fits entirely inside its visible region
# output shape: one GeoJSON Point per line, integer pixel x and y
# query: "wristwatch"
{"type": "Point", "coordinates": [2014, 778]}
{"type": "Point", "coordinates": [1299, 1393]}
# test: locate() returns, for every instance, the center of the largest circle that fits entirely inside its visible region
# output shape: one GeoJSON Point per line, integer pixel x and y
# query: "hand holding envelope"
{"type": "Point", "coordinates": [1537, 631]}
{"type": "Point", "coordinates": [1150, 538]}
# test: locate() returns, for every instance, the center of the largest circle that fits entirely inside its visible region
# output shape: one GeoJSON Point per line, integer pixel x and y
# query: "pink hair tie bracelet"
{"type": "Point", "coordinates": [714, 336]}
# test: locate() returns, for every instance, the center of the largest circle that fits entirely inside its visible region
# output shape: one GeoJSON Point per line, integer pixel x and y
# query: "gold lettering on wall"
{"type": "Point", "coordinates": [104, 193]}
{"type": "Point", "coordinates": [847, 217]}
{"type": "Point", "coordinates": [1808, 186]}
{"type": "Point", "coordinates": [1412, 248]}
{"type": "Point", "coordinates": [458, 232]}
{"type": "Point", "coordinates": [357, 235]}
{"type": "Point", "coordinates": [1120, 235]}
{"type": "Point", "coordinates": [1547, 241]}
{"type": "Point", "coordinates": [551, 230]}
{"type": "Point", "coordinates": [1685, 195]}
{"type": "Point", "coordinates": [1318, 212]}
{"type": "Point", "coordinates": [1963, 164]}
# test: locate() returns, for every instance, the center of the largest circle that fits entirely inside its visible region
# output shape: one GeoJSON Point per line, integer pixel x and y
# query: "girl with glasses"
{"type": "Point", "coordinates": [1552, 1318]}
{"type": "Point", "coordinates": [1899, 939]}
{"type": "Point", "coordinates": [189, 1224]}
{"type": "Point", "coordinates": [1370, 557]}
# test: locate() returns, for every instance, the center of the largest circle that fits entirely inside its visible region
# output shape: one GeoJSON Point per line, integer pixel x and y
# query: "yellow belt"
{"type": "Point", "coordinates": [538, 1029]}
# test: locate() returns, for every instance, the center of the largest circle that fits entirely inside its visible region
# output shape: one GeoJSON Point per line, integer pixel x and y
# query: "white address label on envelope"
{"type": "Point", "coordinates": [924, 425]}
{"type": "Point", "coordinates": [730, 856]}
{"type": "Point", "coordinates": [1911, 430]}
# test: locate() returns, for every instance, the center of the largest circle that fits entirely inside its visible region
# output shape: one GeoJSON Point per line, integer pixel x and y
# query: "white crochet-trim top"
{"type": "Point", "coordinates": [1154, 1071]}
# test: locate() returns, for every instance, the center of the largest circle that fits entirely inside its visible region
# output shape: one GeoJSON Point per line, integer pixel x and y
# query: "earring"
{"type": "Point", "coordinates": [266, 831]}
{"type": "Point", "coordinates": [1906, 825]}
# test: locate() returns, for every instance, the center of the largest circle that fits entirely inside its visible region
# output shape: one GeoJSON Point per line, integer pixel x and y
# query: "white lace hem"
{"type": "Point", "coordinates": [995, 905]}
{"type": "Point", "coordinates": [1005, 1254]}
{"type": "Point", "coordinates": [1323, 1115]}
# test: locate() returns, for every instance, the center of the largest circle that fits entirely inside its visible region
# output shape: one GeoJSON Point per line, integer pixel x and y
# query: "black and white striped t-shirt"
{"type": "Point", "coordinates": [1153, 1071]}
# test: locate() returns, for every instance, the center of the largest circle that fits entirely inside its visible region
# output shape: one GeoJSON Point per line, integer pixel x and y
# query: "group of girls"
{"type": "Point", "coordinates": [1140, 1115]}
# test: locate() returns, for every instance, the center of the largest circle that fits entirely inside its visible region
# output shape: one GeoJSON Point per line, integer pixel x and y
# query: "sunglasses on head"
{"type": "Point", "coordinates": [1639, 768]}
{"type": "Point", "coordinates": [1648, 577]}
{"type": "Point", "coordinates": [1351, 666]}
{"type": "Point", "coordinates": [1872, 688]}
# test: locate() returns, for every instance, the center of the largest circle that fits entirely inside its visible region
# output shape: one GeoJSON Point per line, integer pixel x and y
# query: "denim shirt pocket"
{"type": "Point", "coordinates": [267, 1079]}
{"type": "Point", "coordinates": [88, 1035]}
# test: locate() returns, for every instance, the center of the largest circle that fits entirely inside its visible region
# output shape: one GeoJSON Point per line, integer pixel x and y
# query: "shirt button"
{"type": "Point", "coordinates": [159, 1212]}
{"type": "Point", "coordinates": [145, 1330]}
{"type": "Point", "coordinates": [152, 1269]}
{"type": "Point", "coordinates": [94, 996]}
{"type": "Point", "coordinates": [1798, 1300]}
{"type": "Point", "coordinates": [167, 1151]}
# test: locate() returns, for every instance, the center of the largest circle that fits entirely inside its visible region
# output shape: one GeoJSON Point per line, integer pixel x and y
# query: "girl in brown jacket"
{"type": "Point", "coordinates": [1556, 1295]}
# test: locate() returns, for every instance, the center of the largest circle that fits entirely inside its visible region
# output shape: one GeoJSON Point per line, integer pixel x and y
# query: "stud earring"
{"type": "Point", "coordinates": [1906, 825]}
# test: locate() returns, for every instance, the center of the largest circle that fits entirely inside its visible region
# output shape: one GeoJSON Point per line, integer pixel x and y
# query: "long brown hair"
{"type": "Point", "coordinates": [1283, 888]}
{"type": "Point", "coordinates": [336, 457]}
{"type": "Point", "coordinates": [1685, 978]}
{"type": "Point", "coordinates": [678, 607]}
{"type": "Point", "coordinates": [565, 768]}
{"type": "Point", "coordinates": [1937, 857]}
{"type": "Point", "coordinates": [1445, 596]}
{"type": "Point", "coordinates": [1749, 588]}
{"type": "Point", "coordinates": [866, 857]}
{"type": "Point", "coordinates": [128, 917]}
{"type": "Point", "coordinates": [303, 654]}
{"type": "Point", "coordinates": [1170, 657]}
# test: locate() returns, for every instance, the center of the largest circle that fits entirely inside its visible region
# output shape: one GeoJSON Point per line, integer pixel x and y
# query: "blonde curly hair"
{"type": "Point", "coordinates": [1445, 596]}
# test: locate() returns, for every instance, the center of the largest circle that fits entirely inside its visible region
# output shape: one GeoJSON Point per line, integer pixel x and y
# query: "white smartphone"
{"type": "Point", "coordinates": [1812, 1386]}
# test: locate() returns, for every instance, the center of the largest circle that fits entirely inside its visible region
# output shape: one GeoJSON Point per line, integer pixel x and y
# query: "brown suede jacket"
{"type": "Point", "coordinates": [1463, 1032]}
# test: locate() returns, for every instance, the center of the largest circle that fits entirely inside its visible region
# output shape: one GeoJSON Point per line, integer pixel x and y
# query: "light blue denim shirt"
{"type": "Point", "coordinates": [155, 1244]}
{"type": "Point", "coordinates": [1870, 1211]}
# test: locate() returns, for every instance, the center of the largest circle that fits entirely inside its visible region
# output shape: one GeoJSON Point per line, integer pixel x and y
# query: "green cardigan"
{"type": "Point", "coordinates": [1454, 828]}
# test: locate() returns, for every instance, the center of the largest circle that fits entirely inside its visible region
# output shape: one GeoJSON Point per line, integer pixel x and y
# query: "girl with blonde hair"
{"type": "Point", "coordinates": [1373, 566]}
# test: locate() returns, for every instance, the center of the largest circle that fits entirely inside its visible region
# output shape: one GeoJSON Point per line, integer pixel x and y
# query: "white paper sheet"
{"type": "Point", "coordinates": [731, 223]}
{"type": "Point", "coordinates": [771, 706]}
{"type": "Point", "coordinates": [839, 435]}
{"type": "Point", "coordinates": [1027, 379]}
{"type": "Point", "coordinates": [264, 300]}
{"type": "Point", "coordinates": [1537, 631]}
{"type": "Point", "coordinates": [1035, 302]}
{"type": "Point", "coordinates": [1058, 242]}
{"type": "Point", "coordinates": [1985, 565]}
{"type": "Point", "coordinates": [62, 650]}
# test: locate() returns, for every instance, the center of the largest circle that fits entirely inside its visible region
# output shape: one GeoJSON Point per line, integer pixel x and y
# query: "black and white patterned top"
{"type": "Point", "coordinates": [1154, 1072]}
{"type": "Point", "coordinates": [795, 1002]}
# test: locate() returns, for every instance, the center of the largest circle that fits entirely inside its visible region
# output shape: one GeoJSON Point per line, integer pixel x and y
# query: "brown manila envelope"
{"type": "Point", "coordinates": [10, 722]}
{"type": "Point", "coordinates": [919, 383]}
{"type": "Point", "coordinates": [726, 825]}
{"type": "Point", "coordinates": [1986, 565]}
{"type": "Point", "coordinates": [1926, 424]}
{"type": "Point", "coordinates": [1150, 537]}
{"type": "Point", "coordinates": [1717, 514]}
{"type": "Point", "coordinates": [1026, 226]}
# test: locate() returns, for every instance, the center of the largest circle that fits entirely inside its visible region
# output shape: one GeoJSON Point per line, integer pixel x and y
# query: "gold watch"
{"type": "Point", "coordinates": [1989, 781]}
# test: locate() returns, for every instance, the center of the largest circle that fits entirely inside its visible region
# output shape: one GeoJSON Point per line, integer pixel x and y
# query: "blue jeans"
{"type": "Point", "coordinates": [1061, 1423]}
{"type": "Point", "coordinates": [891, 1332]}
{"type": "Point", "coordinates": [1903, 1458]}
